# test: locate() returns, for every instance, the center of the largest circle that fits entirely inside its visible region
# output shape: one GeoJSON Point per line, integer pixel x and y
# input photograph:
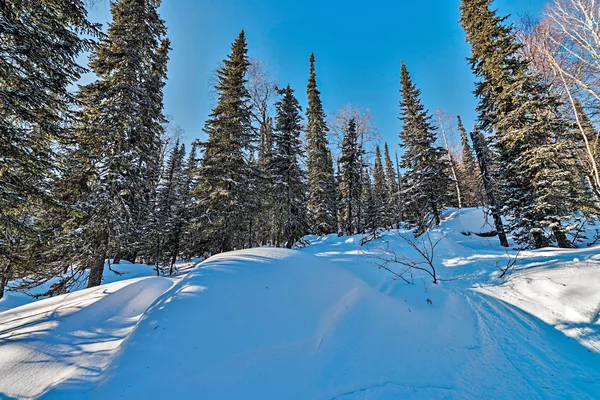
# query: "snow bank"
{"type": "Point", "coordinates": [565, 295]}
{"type": "Point", "coordinates": [71, 338]}
{"type": "Point", "coordinates": [280, 324]}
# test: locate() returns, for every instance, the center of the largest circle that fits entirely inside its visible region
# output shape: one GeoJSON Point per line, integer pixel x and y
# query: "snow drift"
{"type": "Point", "coordinates": [321, 323]}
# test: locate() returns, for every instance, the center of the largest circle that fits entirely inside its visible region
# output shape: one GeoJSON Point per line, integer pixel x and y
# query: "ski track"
{"type": "Point", "coordinates": [519, 350]}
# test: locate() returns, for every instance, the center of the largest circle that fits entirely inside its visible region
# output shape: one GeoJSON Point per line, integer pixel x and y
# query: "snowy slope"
{"type": "Point", "coordinates": [322, 323]}
{"type": "Point", "coordinates": [70, 338]}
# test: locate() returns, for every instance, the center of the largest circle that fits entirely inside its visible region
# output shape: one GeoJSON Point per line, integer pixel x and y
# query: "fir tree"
{"type": "Point", "coordinates": [40, 44]}
{"type": "Point", "coordinates": [468, 171]}
{"type": "Point", "coordinates": [165, 215]}
{"type": "Point", "coordinates": [350, 171]}
{"type": "Point", "coordinates": [225, 174]}
{"type": "Point", "coordinates": [320, 168]}
{"type": "Point", "coordinates": [189, 217]}
{"type": "Point", "coordinates": [426, 180]}
{"type": "Point", "coordinates": [485, 163]}
{"type": "Point", "coordinates": [288, 186]}
{"type": "Point", "coordinates": [372, 213]}
{"type": "Point", "coordinates": [118, 138]}
{"type": "Point", "coordinates": [380, 192]}
{"type": "Point", "coordinates": [393, 190]}
{"type": "Point", "coordinates": [521, 116]}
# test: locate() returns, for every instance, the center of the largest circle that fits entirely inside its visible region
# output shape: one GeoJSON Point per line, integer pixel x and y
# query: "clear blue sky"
{"type": "Point", "coordinates": [358, 47]}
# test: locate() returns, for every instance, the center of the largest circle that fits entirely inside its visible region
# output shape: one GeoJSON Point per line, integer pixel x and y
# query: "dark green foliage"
{"type": "Point", "coordinates": [521, 117]}
{"type": "Point", "coordinates": [372, 214]}
{"type": "Point", "coordinates": [350, 181]}
{"type": "Point", "coordinates": [225, 173]}
{"type": "Point", "coordinates": [393, 190]}
{"type": "Point", "coordinates": [321, 189]}
{"type": "Point", "coordinates": [469, 175]}
{"type": "Point", "coordinates": [379, 193]}
{"type": "Point", "coordinates": [288, 186]}
{"type": "Point", "coordinates": [118, 135]}
{"type": "Point", "coordinates": [39, 45]}
{"type": "Point", "coordinates": [427, 182]}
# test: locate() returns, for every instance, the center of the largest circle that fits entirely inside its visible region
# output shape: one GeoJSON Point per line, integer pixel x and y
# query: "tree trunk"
{"type": "Point", "coordinates": [97, 269]}
{"type": "Point", "coordinates": [561, 238]}
{"type": "Point", "coordinates": [4, 278]}
{"type": "Point", "coordinates": [436, 215]}
{"type": "Point", "coordinates": [480, 151]}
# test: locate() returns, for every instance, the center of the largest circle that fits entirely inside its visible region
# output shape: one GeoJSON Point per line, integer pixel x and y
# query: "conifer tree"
{"type": "Point", "coordinates": [371, 214]}
{"type": "Point", "coordinates": [379, 193]}
{"type": "Point", "coordinates": [393, 190]}
{"type": "Point", "coordinates": [469, 171]}
{"type": "Point", "coordinates": [164, 220]}
{"type": "Point", "coordinates": [118, 137]}
{"type": "Point", "coordinates": [225, 173]}
{"type": "Point", "coordinates": [320, 168]}
{"type": "Point", "coordinates": [485, 163]}
{"type": "Point", "coordinates": [350, 171]}
{"type": "Point", "coordinates": [288, 178]}
{"type": "Point", "coordinates": [521, 116]}
{"type": "Point", "coordinates": [38, 62]}
{"type": "Point", "coordinates": [426, 180]}
{"type": "Point", "coordinates": [190, 237]}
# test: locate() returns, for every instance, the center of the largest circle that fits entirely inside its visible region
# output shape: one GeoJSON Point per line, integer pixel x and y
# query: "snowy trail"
{"type": "Point", "coordinates": [529, 353]}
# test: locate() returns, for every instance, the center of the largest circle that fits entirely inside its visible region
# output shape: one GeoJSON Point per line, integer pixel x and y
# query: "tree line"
{"type": "Point", "coordinates": [92, 175]}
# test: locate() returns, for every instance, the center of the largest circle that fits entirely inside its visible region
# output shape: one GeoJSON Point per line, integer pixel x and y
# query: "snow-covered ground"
{"type": "Point", "coordinates": [321, 322]}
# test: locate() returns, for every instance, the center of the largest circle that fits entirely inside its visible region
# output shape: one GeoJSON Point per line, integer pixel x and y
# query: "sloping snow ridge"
{"type": "Point", "coordinates": [322, 322]}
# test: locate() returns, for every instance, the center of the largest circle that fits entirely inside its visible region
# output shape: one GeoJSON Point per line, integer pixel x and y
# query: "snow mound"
{"type": "Point", "coordinates": [71, 338]}
{"type": "Point", "coordinates": [281, 324]}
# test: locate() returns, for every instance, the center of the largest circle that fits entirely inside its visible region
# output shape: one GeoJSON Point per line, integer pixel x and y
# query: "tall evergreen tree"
{"type": "Point", "coordinates": [319, 164]}
{"type": "Point", "coordinates": [468, 171]}
{"type": "Point", "coordinates": [484, 158]}
{"type": "Point", "coordinates": [288, 178]}
{"type": "Point", "coordinates": [372, 215]}
{"type": "Point", "coordinates": [427, 181]}
{"type": "Point", "coordinates": [393, 190]}
{"type": "Point", "coordinates": [521, 116]}
{"type": "Point", "coordinates": [118, 138]}
{"type": "Point", "coordinates": [350, 171]}
{"type": "Point", "coordinates": [164, 224]}
{"type": "Point", "coordinates": [225, 173]}
{"type": "Point", "coordinates": [38, 62]}
{"type": "Point", "coordinates": [380, 192]}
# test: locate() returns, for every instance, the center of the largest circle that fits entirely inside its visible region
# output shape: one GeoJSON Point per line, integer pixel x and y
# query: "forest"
{"type": "Point", "coordinates": [94, 172]}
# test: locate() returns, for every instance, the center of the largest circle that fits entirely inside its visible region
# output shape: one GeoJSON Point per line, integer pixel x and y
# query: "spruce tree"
{"type": "Point", "coordinates": [426, 180]}
{"type": "Point", "coordinates": [38, 62]}
{"type": "Point", "coordinates": [166, 211]}
{"type": "Point", "coordinates": [372, 213]}
{"type": "Point", "coordinates": [350, 171]}
{"type": "Point", "coordinates": [380, 193]}
{"type": "Point", "coordinates": [468, 171]}
{"type": "Point", "coordinates": [189, 216]}
{"type": "Point", "coordinates": [518, 112]}
{"type": "Point", "coordinates": [225, 173]}
{"type": "Point", "coordinates": [393, 190]}
{"type": "Point", "coordinates": [319, 164]}
{"type": "Point", "coordinates": [119, 130]}
{"type": "Point", "coordinates": [484, 158]}
{"type": "Point", "coordinates": [288, 179]}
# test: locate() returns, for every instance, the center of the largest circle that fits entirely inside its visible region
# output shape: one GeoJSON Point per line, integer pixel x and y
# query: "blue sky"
{"type": "Point", "coordinates": [358, 47]}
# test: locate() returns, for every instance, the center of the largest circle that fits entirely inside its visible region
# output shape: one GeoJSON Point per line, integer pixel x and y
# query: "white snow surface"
{"type": "Point", "coordinates": [321, 322]}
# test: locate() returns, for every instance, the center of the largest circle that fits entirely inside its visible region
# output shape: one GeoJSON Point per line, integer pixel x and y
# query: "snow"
{"type": "Point", "coordinates": [322, 322]}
